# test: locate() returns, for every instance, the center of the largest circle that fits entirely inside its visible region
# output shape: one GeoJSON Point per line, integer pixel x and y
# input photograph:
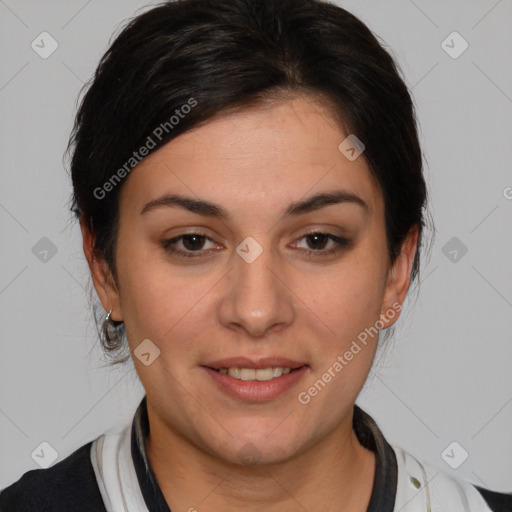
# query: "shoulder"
{"type": "Point", "coordinates": [68, 485]}
{"type": "Point", "coordinates": [497, 501]}
{"type": "Point", "coordinates": [423, 486]}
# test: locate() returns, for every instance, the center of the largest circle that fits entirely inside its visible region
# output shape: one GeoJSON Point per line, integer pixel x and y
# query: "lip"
{"type": "Point", "coordinates": [255, 390]}
{"type": "Point", "coordinates": [255, 364]}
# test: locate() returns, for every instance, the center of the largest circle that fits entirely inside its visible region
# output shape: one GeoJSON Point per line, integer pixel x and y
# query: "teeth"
{"type": "Point", "coordinates": [252, 374]}
{"type": "Point", "coordinates": [234, 372]}
{"type": "Point", "coordinates": [248, 374]}
{"type": "Point", "coordinates": [277, 372]}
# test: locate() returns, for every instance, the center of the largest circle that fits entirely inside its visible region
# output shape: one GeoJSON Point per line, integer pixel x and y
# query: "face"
{"type": "Point", "coordinates": [261, 277]}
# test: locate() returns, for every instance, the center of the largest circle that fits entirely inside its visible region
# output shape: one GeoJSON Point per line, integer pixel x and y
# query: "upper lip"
{"type": "Point", "coordinates": [257, 363]}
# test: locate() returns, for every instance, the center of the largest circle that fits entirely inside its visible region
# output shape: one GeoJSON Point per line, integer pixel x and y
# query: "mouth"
{"type": "Point", "coordinates": [259, 374]}
{"type": "Point", "coordinates": [256, 381]}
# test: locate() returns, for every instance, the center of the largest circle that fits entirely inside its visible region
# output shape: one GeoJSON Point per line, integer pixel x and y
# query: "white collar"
{"type": "Point", "coordinates": [420, 487]}
{"type": "Point", "coordinates": [425, 488]}
{"type": "Point", "coordinates": [112, 461]}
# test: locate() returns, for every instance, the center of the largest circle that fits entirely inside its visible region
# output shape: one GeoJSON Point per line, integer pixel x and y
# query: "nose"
{"type": "Point", "coordinates": [258, 300]}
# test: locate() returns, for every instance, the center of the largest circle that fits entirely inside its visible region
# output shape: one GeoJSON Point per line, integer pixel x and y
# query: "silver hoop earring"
{"type": "Point", "coordinates": [107, 318]}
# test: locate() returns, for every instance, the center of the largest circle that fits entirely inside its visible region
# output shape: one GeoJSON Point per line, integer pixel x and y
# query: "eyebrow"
{"type": "Point", "coordinates": [209, 209]}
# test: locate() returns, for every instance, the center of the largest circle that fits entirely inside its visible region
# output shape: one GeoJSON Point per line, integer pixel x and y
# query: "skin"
{"type": "Point", "coordinates": [254, 163]}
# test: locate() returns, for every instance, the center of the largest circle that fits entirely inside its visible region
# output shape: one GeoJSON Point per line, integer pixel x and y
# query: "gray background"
{"type": "Point", "coordinates": [446, 375]}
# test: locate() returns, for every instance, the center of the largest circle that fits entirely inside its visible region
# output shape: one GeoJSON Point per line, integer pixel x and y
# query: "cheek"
{"type": "Point", "coordinates": [344, 355]}
{"type": "Point", "coordinates": [161, 302]}
{"type": "Point", "coordinates": [349, 296]}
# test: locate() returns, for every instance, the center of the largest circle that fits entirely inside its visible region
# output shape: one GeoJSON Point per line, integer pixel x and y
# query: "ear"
{"type": "Point", "coordinates": [102, 277]}
{"type": "Point", "coordinates": [398, 281]}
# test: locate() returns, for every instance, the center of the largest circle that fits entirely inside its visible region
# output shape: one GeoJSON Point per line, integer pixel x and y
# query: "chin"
{"type": "Point", "coordinates": [256, 450]}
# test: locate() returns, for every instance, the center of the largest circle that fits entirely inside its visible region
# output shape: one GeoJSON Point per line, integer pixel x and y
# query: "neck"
{"type": "Point", "coordinates": [190, 478]}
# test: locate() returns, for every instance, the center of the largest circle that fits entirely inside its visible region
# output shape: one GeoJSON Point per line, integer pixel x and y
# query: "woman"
{"type": "Point", "coordinates": [248, 180]}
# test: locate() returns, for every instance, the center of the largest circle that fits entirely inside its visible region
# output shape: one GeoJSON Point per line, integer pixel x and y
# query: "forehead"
{"type": "Point", "coordinates": [265, 155]}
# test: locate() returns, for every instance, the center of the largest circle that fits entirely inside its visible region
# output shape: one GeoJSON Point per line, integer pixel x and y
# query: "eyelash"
{"type": "Point", "coordinates": [341, 242]}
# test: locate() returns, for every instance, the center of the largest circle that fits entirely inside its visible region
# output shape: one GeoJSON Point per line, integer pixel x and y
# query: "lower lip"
{"type": "Point", "coordinates": [256, 390]}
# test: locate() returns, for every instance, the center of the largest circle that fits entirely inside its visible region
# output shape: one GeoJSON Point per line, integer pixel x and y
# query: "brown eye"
{"type": "Point", "coordinates": [319, 241]}
{"type": "Point", "coordinates": [191, 243]}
